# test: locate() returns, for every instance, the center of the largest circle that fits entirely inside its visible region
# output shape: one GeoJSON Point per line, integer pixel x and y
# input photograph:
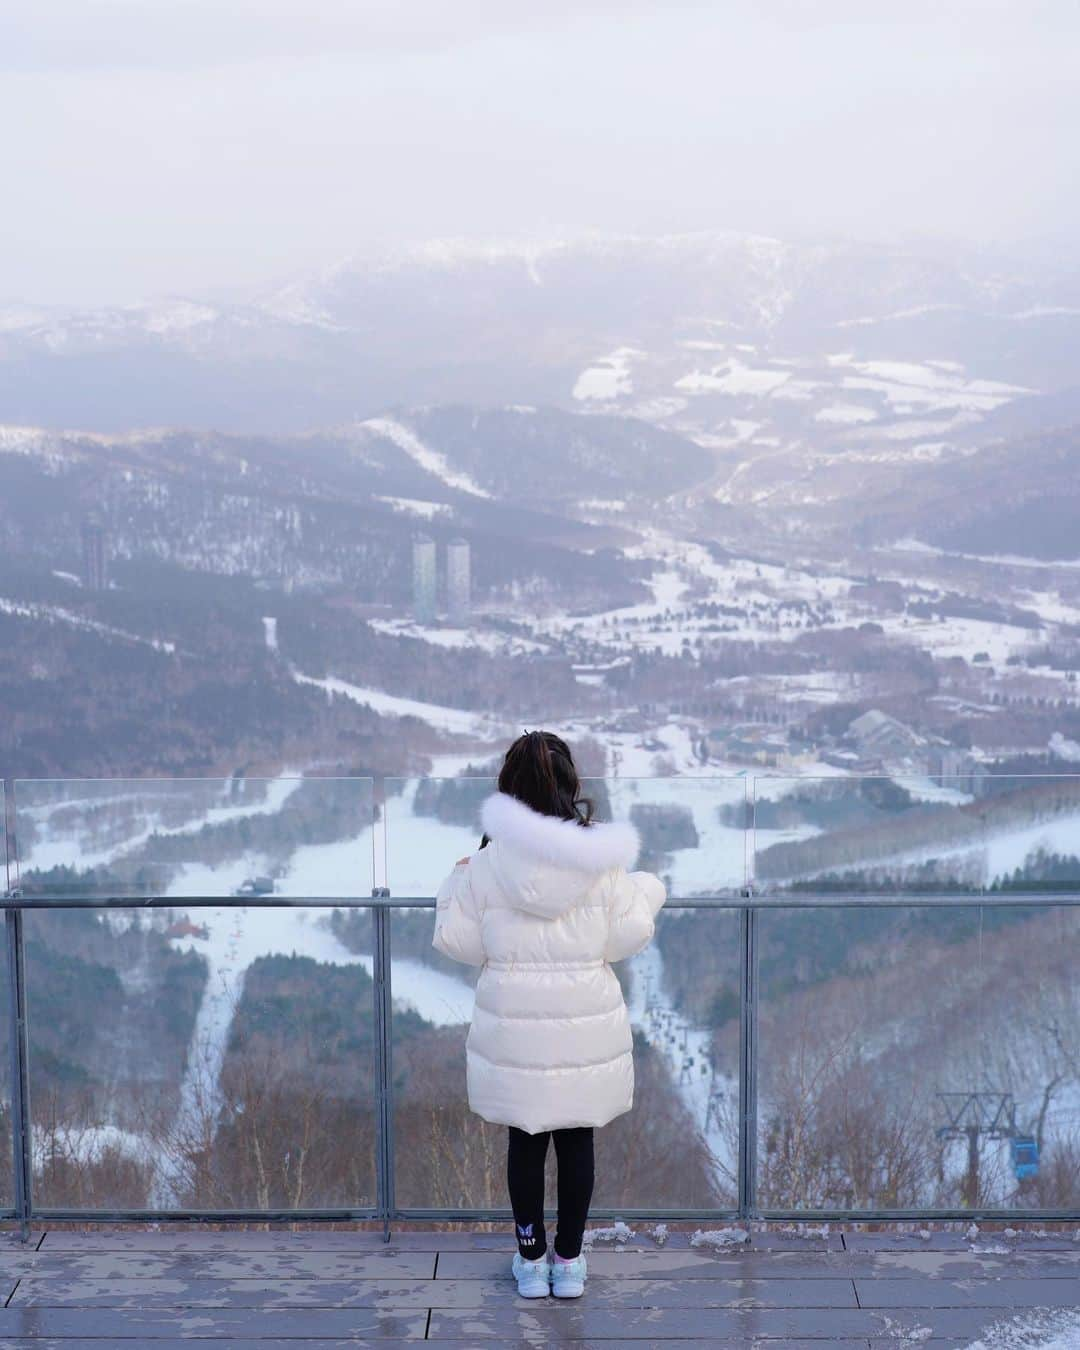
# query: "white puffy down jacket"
{"type": "Point", "coordinates": [545, 909]}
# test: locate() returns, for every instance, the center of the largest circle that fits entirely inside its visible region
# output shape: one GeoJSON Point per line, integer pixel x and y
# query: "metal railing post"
{"type": "Point", "coordinates": [19, 1061]}
{"type": "Point", "coordinates": [747, 1169]}
{"type": "Point", "coordinates": [384, 1088]}
{"type": "Point", "coordinates": [19, 1096]}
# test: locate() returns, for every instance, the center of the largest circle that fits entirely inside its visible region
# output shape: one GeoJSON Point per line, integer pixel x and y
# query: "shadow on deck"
{"type": "Point", "coordinates": [309, 1290]}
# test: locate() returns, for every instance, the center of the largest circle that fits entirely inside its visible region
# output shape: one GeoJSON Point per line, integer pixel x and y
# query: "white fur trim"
{"type": "Point", "coordinates": [563, 843]}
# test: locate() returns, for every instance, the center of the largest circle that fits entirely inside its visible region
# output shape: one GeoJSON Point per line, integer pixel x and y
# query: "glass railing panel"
{"type": "Point", "coordinates": [693, 830]}
{"type": "Point", "coordinates": [677, 1148]}
{"type": "Point", "coordinates": [228, 1061]}
{"type": "Point", "coordinates": [201, 1058]}
{"type": "Point", "coordinates": [444, 1157]}
{"type": "Point", "coordinates": [953, 834]}
{"type": "Point", "coordinates": [429, 823]}
{"type": "Point", "coordinates": [918, 1058]}
{"type": "Point", "coordinates": [7, 1181]}
{"type": "Point", "coordinates": [299, 837]}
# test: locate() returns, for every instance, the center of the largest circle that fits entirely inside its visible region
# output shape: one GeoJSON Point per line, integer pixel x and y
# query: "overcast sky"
{"type": "Point", "coordinates": [191, 146]}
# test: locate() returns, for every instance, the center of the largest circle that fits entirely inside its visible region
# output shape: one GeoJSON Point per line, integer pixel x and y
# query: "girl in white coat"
{"type": "Point", "coordinates": [544, 907]}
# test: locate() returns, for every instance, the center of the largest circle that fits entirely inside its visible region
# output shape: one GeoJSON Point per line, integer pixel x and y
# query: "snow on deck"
{"type": "Point", "coordinates": [1037, 1329]}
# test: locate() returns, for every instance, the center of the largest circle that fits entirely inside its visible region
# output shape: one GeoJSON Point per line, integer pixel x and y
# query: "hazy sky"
{"type": "Point", "coordinates": [186, 146]}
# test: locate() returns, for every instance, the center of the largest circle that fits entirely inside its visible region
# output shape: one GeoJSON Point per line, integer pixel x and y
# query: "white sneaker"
{"type": "Point", "coordinates": [533, 1277]}
{"type": "Point", "coordinates": [568, 1278]}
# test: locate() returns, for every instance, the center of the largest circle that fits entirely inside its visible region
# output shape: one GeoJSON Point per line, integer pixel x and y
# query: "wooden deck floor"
{"type": "Point", "coordinates": [312, 1290]}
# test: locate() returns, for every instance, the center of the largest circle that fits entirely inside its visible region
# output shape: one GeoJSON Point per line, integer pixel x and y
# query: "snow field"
{"type": "Point", "coordinates": [477, 639]}
{"type": "Point", "coordinates": [415, 506]}
{"type": "Point", "coordinates": [453, 721]}
{"type": "Point", "coordinates": [608, 378]}
{"type": "Point", "coordinates": [57, 614]}
{"type": "Point", "coordinates": [431, 461]}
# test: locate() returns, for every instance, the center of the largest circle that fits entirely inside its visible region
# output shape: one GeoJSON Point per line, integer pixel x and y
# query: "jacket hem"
{"type": "Point", "coordinates": [557, 1122]}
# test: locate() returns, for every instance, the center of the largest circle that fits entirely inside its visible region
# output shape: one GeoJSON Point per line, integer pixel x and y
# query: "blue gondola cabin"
{"type": "Point", "coordinates": [1025, 1156]}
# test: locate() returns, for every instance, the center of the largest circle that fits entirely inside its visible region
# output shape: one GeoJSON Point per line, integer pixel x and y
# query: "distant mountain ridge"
{"type": "Point", "coordinates": [538, 492]}
{"type": "Point", "coordinates": [466, 460]}
{"type": "Point", "coordinates": [1016, 497]}
{"type": "Point", "coordinates": [519, 323]}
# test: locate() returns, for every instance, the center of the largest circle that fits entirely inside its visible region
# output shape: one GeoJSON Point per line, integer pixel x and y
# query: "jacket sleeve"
{"type": "Point", "coordinates": [636, 900]}
{"type": "Point", "coordinates": [457, 920]}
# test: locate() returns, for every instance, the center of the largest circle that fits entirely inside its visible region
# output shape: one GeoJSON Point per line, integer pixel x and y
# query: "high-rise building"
{"type": "Point", "coordinates": [95, 570]}
{"type": "Point", "coordinates": [425, 579]}
{"type": "Point", "coordinates": [458, 580]}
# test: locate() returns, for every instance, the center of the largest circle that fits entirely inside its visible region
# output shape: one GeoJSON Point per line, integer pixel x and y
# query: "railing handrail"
{"type": "Point", "coordinates": [757, 900]}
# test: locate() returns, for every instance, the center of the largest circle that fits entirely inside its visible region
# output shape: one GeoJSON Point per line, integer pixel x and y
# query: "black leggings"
{"type": "Point", "coordinates": [525, 1176]}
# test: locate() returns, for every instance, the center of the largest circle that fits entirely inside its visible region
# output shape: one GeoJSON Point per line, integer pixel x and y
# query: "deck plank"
{"type": "Point", "coordinates": [582, 1320]}
{"type": "Point", "coordinates": [394, 1343]}
{"type": "Point", "coordinates": [456, 1294]}
{"type": "Point", "coordinates": [363, 1265]}
{"type": "Point", "coordinates": [670, 1265]}
{"type": "Point", "coordinates": [791, 1265]}
{"type": "Point", "coordinates": [935, 1293]}
{"type": "Point", "coordinates": [904, 1326]}
{"type": "Point", "coordinates": [252, 1324]}
{"type": "Point", "coordinates": [116, 1339]}
{"type": "Point", "coordinates": [181, 1239]}
{"type": "Point", "coordinates": [1017, 1240]}
{"type": "Point", "coordinates": [965, 1265]}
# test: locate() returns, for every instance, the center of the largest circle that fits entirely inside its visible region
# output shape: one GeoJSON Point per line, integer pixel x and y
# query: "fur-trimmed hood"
{"type": "Point", "coordinates": [545, 864]}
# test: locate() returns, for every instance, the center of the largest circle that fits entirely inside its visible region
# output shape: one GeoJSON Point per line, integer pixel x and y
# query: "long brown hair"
{"type": "Point", "coordinates": [539, 770]}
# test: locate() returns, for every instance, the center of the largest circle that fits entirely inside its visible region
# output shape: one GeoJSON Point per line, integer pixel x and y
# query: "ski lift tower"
{"type": "Point", "coordinates": [975, 1116]}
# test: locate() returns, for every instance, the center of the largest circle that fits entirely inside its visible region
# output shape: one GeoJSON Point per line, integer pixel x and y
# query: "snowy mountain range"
{"type": "Point", "coordinates": [665, 327]}
{"type": "Point", "coordinates": [749, 382]}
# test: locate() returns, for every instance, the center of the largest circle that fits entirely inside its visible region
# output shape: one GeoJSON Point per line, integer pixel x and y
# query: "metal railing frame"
{"type": "Point", "coordinates": [747, 903]}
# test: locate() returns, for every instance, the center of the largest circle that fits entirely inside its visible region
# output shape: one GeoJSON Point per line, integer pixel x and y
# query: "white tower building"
{"type": "Point", "coordinates": [425, 579]}
{"type": "Point", "coordinates": [458, 581]}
